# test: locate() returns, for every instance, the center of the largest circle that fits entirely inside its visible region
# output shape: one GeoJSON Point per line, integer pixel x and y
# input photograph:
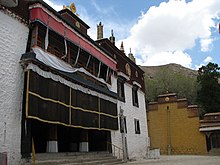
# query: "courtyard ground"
{"type": "Point", "coordinates": [179, 160]}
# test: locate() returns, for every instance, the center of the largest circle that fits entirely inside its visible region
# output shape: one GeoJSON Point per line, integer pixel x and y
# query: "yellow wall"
{"type": "Point", "coordinates": [175, 127]}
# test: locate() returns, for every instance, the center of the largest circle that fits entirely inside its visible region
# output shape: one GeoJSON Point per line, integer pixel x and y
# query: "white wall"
{"type": "Point", "coordinates": [137, 143]}
{"type": "Point", "coordinates": [116, 135]}
{"type": "Point", "coordinates": [13, 40]}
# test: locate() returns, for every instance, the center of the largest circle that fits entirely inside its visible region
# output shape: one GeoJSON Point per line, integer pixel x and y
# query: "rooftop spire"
{"type": "Point", "coordinates": [122, 47]}
{"type": "Point", "coordinates": [131, 56]}
{"type": "Point", "coordinates": [99, 31]}
{"type": "Point", "coordinates": [112, 38]}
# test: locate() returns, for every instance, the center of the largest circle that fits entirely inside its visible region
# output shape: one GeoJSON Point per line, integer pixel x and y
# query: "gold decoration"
{"type": "Point", "coordinates": [77, 24]}
{"type": "Point", "coordinates": [167, 99]}
{"type": "Point", "coordinates": [128, 69]}
{"type": "Point", "coordinates": [72, 7]}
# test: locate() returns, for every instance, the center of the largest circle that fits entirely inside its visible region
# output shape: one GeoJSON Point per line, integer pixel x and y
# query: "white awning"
{"type": "Point", "coordinates": [215, 128]}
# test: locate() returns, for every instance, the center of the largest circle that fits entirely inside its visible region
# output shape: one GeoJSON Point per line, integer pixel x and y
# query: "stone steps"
{"type": "Point", "coordinates": [215, 151]}
{"type": "Point", "coordinates": [90, 158]}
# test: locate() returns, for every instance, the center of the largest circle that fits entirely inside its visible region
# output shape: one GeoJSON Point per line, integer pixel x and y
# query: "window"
{"type": "Point", "coordinates": [103, 71]}
{"type": "Point", "coordinates": [137, 126]}
{"type": "Point", "coordinates": [121, 92]}
{"type": "Point", "coordinates": [135, 95]}
{"type": "Point", "coordinates": [123, 125]}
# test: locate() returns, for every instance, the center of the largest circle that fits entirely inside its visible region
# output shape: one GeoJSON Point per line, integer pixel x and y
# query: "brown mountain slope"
{"type": "Point", "coordinates": [151, 71]}
{"type": "Point", "coordinates": [171, 78]}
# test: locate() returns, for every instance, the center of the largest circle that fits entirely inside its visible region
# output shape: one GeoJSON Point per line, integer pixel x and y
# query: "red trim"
{"type": "Point", "coordinates": [72, 36]}
{"type": "Point", "coordinates": [39, 14]}
{"type": "Point", "coordinates": [56, 26]}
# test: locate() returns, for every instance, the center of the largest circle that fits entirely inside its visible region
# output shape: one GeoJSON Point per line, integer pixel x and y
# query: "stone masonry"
{"type": "Point", "coordinates": [13, 40]}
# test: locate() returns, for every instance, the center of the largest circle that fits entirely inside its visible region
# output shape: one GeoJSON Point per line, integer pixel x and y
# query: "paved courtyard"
{"type": "Point", "coordinates": [180, 160]}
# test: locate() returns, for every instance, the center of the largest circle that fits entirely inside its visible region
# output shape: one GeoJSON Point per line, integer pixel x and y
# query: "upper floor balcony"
{"type": "Point", "coordinates": [53, 34]}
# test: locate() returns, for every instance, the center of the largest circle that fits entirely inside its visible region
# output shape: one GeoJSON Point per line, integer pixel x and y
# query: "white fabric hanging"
{"type": "Point", "coordinates": [77, 57]}
{"type": "Point", "coordinates": [47, 34]}
{"type": "Point", "coordinates": [65, 44]}
{"type": "Point", "coordinates": [65, 53]}
{"type": "Point", "coordinates": [57, 63]}
{"type": "Point", "coordinates": [46, 39]}
{"type": "Point", "coordinates": [52, 61]}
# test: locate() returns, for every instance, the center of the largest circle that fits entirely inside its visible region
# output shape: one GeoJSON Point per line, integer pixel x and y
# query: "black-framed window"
{"type": "Point", "coordinates": [135, 95]}
{"type": "Point", "coordinates": [137, 126]}
{"type": "Point", "coordinates": [121, 89]}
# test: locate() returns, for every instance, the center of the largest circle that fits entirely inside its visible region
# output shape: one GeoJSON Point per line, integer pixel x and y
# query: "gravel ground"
{"type": "Point", "coordinates": [180, 160]}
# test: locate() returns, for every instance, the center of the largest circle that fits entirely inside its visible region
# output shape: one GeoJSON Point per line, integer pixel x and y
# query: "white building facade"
{"type": "Point", "coordinates": [13, 41]}
{"type": "Point", "coordinates": [136, 131]}
{"type": "Point", "coordinates": [132, 135]}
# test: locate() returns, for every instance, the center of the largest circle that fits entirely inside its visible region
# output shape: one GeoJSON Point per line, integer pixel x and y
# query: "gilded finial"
{"type": "Point", "coordinates": [72, 8]}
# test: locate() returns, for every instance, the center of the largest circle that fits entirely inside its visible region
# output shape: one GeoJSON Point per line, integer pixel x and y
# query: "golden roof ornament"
{"type": "Point", "coordinates": [71, 7]}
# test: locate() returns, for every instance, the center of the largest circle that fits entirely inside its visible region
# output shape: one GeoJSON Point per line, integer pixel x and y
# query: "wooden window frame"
{"type": "Point", "coordinates": [135, 96]}
{"type": "Point", "coordinates": [137, 126]}
{"type": "Point", "coordinates": [121, 89]}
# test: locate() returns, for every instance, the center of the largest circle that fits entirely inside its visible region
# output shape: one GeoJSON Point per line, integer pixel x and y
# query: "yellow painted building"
{"type": "Point", "coordinates": [174, 126]}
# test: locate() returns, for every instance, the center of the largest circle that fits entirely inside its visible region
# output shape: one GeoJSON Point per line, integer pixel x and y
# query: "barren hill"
{"type": "Point", "coordinates": [151, 71]}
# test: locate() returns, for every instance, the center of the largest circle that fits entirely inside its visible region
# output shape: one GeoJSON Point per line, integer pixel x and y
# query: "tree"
{"type": "Point", "coordinates": [208, 95]}
{"type": "Point", "coordinates": [167, 80]}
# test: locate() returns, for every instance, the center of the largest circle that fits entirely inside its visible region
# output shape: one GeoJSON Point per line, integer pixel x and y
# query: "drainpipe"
{"type": "Point", "coordinates": [168, 132]}
{"type": "Point", "coordinates": [125, 154]}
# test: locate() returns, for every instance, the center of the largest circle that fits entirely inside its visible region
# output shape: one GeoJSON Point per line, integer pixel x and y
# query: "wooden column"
{"type": "Point", "coordinates": [52, 144]}
{"type": "Point", "coordinates": [84, 141]}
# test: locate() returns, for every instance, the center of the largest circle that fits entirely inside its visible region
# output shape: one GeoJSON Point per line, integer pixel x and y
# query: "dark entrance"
{"type": "Point", "coordinates": [215, 139]}
{"type": "Point", "coordinates": [39, 134]}
{"type": "Point", "coordinates": [98, 140]}
{"type": "Point", "coordinates": [68, 138]}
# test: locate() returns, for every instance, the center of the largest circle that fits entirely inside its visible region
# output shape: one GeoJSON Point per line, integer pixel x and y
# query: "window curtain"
{"type": "Point", "coordinates": [53, 102]}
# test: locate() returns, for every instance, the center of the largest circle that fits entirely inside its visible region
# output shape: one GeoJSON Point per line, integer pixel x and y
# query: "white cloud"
{"type": "Point", "coordinates": [162, 58]}
{"type": "Point", "coordinates": [207, 59]}
{"type": "Point", "coordinates": [199, 66]}
{"type": "Point", "coordinates": [55, 6]}
{"type": "Point", "coordinates": [173, 27]}
{"type": "Point", "coordinates": [108, 9]}
{"type": "Point", "coordinates": [206, 44]}
{"type": "Point", "coordinates": [205, 62]}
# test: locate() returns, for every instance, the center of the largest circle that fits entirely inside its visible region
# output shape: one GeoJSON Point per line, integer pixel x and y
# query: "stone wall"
{"type": "Point", "coordinates": [13, 40]}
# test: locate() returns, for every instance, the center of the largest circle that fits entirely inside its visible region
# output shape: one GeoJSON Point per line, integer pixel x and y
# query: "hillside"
{"type": "Point", "coordinates": [151, 71]}
{"type": "Point", "coordinates": [170, 78]}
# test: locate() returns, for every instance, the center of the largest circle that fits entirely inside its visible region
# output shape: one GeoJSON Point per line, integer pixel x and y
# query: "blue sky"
{"type": "Point", "coordinates": [157, 31]}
